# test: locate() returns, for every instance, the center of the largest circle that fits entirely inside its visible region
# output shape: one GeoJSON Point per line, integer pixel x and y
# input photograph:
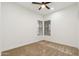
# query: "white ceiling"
{"type": "Point", "coordinates": [55, 5]}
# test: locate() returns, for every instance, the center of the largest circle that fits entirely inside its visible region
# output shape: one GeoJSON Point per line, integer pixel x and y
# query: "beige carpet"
{"type": "Point", "coordinates": [43, 48]}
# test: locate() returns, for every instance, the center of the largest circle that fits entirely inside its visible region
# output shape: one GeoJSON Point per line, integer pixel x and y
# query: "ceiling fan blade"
{"type": "Point", "coordinates": [47, 7]}
{"type": "Point", "coordinates": [40, 8]}
{"type": "Point", "coordinates": [47, 2]}
{"type": "Point", "coordinates": [36, 3]}
{"type": "Point", "coordinates": [42, 2]}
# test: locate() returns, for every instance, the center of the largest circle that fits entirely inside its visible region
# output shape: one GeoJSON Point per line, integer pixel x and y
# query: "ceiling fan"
{"type": "Point", "coordinates": [43, 4]}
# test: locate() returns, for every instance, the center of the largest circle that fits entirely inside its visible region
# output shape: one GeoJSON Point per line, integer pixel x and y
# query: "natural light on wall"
{"type": "Point", "coordinates": [57, 15]}
{"type": "Point", "coordinates": [52, 8]}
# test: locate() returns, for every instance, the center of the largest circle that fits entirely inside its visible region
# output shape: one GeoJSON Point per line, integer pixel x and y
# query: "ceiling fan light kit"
{"type": "Point", "coordinates": [43, 4]}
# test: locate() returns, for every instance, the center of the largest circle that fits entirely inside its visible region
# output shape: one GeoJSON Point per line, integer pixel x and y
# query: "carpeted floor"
{"type": "Point", "coordinates": [43, 48]}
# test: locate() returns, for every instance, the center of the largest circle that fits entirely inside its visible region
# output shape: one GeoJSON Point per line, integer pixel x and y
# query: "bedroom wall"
{"type": "Point", "coordinates": [64, 26]}
{"type": "Point", "coordinates": [20, 26]}
{"type": "Point", "coordinates": [78, 25]}
{"type": "Point", "coordinates": [0, 29]}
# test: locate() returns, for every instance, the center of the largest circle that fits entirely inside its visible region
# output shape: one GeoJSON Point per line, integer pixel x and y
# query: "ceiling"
{"type": "Point", "coordinates": [56, 5]}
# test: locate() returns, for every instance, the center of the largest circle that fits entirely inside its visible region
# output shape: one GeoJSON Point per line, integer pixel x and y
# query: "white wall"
{"type": "Point", "coordinates": [78, 24]}
{"type": "Point", "coordinates": [0, 29]}
{"type": "Point", "coordinates": [20, 26]}
{"type": "Point", "coordinates": [64, 26]}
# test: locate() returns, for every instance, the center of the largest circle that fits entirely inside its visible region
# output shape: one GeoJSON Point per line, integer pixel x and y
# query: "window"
{"type": "Point", "coordinates": [44, 27]}
{"type": "Point", "coordinates": [47, 27]}
{"type": "Point", "coordinates": [40, 28]}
